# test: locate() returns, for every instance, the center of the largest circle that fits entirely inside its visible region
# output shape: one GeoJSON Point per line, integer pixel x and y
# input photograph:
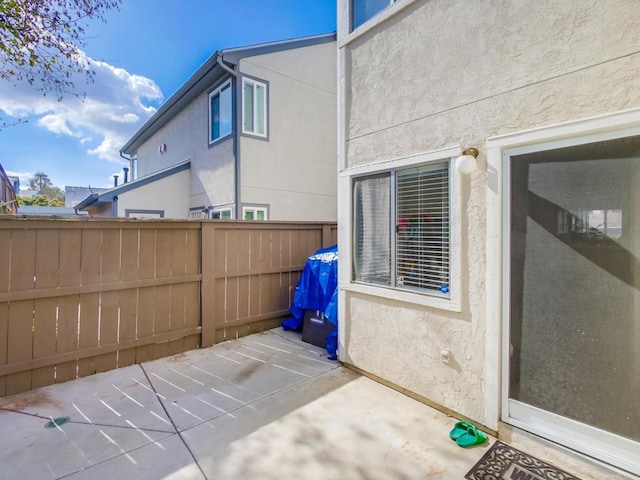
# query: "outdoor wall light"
{"type": "Point", "coordinates": [467, 163]}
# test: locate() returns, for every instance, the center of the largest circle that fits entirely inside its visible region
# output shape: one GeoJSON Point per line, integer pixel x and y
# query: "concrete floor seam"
{"type": "Point", "coordinates": [195, 460]}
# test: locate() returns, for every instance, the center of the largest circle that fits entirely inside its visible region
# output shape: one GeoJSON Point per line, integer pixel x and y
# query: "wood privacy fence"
{"type": "Point", "coordinates": [84, 296]}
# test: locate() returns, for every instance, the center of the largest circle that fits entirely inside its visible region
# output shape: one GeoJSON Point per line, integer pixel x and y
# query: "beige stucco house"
{"type": "Point", "coordinates": [504, 289]}
{"type": "Point", "coordinates": [257, 128]}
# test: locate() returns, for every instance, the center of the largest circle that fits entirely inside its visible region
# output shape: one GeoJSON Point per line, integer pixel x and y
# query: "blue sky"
{"type": "Point", "coordinates": [142, 55]}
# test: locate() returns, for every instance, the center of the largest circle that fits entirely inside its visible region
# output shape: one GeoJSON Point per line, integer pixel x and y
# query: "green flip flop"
{"type": "Point", "coordinates": [459, 429]}
{"type": "Point", "coordinates": [471, 438]}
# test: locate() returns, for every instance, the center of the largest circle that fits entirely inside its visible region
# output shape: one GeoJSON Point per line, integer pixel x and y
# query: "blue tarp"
{"type": "Point", "coordinates": [317, 289]}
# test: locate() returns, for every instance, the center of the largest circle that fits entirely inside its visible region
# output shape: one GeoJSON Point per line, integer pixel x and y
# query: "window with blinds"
{"type": "Point", "coordinates": [422, 219]}
{"type": "Point", "coordinates": [414, 253]}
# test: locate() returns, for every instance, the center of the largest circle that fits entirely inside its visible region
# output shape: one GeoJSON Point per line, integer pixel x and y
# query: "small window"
{"type": "Point", "coordinates": [363, 10]}
{"type": "Point", "coordinates": [401, 229]}
{"type": "Point", "coordinates": [254, 107]}
{"type": "Point", "coordinates": [223, 214]}
{"type": "Point", "coordinates": [198, 214]}
{"type": "Point", "coordinates": [220, 112]}
{"type": "Point", "coordinates": [254, 213]}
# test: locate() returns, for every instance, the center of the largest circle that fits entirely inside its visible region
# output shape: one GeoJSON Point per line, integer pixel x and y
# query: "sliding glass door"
{"type": "Point", "coordinates": [572, 280]}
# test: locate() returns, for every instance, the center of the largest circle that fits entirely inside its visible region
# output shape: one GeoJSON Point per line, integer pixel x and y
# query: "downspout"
{"type": "Point", "coordinates": [128, 159]}
{"type": "Point", "coordinates": [236, 134]}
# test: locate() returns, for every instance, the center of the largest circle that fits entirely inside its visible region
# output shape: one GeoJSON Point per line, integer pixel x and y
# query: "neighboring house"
{"type": "Point", "coordinates": [74, 195]}
{"type": "Point", "coordinates": [507, 295]}
{"type": "Point", "coordinates": [8, 202]}
{"type": "Point", "coordinates": [257, 125]}
{"type": "Point", "coordinates": [158, 195]}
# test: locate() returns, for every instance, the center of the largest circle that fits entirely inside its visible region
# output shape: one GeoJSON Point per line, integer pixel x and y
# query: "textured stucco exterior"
{"type": "Point", "coordinates": [165, 195]}
{"type": "Point", "coordinates": [294, 171]}
{"type": "Point", "coordinates": [185, 136]}
{"type": "Point", "coordinates": [428, 75]}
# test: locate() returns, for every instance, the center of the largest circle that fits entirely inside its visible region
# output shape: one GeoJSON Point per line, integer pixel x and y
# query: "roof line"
{"type": "Point", "coordinates": [211, 71]}
{"type": "Point", "coordinates": [110, 194]}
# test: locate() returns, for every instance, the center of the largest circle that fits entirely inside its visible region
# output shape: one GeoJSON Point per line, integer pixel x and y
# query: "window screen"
{"type": "Point", "coordinates": [414, 253]}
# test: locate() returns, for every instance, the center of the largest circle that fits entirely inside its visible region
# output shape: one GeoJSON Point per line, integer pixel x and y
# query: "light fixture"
{"type": "Point", "coordinates": [467, 163]}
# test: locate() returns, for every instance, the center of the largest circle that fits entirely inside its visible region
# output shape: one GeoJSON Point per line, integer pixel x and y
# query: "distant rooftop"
{"type": "Point", "coordinates": [74, 195]}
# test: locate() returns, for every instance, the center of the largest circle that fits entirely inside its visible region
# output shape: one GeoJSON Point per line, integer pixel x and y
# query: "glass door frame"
{"type": "Point", "coordinates": [602, 445]}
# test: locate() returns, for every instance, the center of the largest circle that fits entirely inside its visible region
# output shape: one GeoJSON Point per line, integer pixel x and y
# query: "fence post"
{"type": "Point", "coordinates": [326, 235]}
{"type": "Point", "coordinates": [207, 292]}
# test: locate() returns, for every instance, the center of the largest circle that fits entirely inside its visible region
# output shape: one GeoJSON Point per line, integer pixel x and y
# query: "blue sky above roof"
{"type": "Point", "coordinates": [142, 55]}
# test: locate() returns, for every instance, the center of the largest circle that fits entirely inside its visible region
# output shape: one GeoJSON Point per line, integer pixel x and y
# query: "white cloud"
{"type": "Point", "coordinates": [115, 106]}
{"type": "Point", "coordinates": [23, 176]}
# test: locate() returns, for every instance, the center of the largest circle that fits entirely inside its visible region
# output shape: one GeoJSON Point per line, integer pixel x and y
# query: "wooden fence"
{"type": "Point", "coordinates": [84, 296]}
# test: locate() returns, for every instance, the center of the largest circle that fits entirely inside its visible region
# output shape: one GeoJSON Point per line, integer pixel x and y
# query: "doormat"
{"type": "Point", "coordinates": [502, 462]}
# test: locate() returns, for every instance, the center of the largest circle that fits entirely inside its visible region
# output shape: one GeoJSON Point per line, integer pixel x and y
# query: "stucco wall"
{"type": "Point", "coordinates": [166, 194]}
{"type": "Point", "coordinates": [186, 138]}
{"type": "Point", "coordinates": [441, 73]}
{"type": "Point", "coordinates": [295, 170]}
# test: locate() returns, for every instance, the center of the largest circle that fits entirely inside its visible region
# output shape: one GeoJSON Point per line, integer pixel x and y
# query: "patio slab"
{"type": "Point", "coordinates": [265, 406]}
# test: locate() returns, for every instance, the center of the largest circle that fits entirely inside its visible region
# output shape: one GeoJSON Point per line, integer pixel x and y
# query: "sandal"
{"type": "Point", "coordinates": [459, 429]}
{"type": "Point", "coordinates": [471, 438]}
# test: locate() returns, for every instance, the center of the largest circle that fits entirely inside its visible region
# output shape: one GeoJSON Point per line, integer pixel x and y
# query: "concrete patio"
{"type": "Point", "coordinates": [266, 406]}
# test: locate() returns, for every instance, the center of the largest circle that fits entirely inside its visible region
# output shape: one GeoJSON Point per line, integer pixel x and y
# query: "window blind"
{"type": "Point", "coordinates": [422, 233]}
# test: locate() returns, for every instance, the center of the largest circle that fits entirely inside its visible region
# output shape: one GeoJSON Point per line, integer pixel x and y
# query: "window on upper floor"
{"type": "Point", "coordinates": [363, 10]}
{"type": "Point", "coordinates": [401, 232]}
{"type": "Point", "coordinates": [254, 107]}
{"type": "Point", "coordinates": [220, 112]}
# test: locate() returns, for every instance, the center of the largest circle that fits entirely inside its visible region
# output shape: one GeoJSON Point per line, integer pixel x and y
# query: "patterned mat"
{"type": "Point", "coordinates": [502, 462]}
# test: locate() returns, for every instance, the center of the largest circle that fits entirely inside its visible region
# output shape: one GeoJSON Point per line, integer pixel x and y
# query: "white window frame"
{"type": "Point", "coordinates": [255, 119]}
{"type": "Point", "coordinates": [255, 211]}
{"type": "Point", "coordinates": [352, 17]}
{"type": "Point", "coordinates": [199, 214]}
{"type": "Point", "coordinates": [423, 298]}
{"type": "Point", "coordinates": [224, 210]}
{"type": "Point", "coordinates": [583, 438]}
{"type": "Point", "coordinates": [213, 93]}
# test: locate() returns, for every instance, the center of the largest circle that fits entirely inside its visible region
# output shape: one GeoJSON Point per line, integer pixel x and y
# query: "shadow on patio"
{"type": "Point", "coordinates": [266, 406]}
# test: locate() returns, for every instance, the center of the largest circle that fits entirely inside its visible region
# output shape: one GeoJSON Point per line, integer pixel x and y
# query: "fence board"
{"type": "Point", "coordinates": [176, 321]}
{"type": "Point", "coordinates": [108, 329]}
{"type": "Point", "coordinates": [70, 256]}
{"type": "Point", "coordinates": [128, 305]}
{"type": "Point", "coordinates": [44, 338]}
{"type": "Point", "coordinates": [47, 246]}
{"type": "Point", "coordinates": [162, 318]}
{"type": "Point", "coordinates": [4, 337]}
{"type": "Point", "coordinates": [147, 254]}
{"type": "Point", "coordinates": [110, 262]}
{"type": "Point", "coordinates": [5, 260]}
{"type": "Point", "coordinates": [163, 253]}
{"type": "Point", "coordinates": [67, 336]}
{"type": "Point", "coordinates": [145, 323]}
{"type": "Point", "coordinates": [89, 331]}
{"type": "Point", "coordinates": [23, 260]}
{"type": "Point", "coordinates": [91, 257]}
{"type": "Point", "coordinates": [19, 344]}
{"type": "Point", "coordinates": [129, 255]}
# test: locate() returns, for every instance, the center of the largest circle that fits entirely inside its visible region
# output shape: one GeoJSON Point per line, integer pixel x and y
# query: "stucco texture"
{"type": "Point", "coordinates": [185, 136]}
{"type": "Point", "coordinates": [166, 195]}
{"type": "Point", "coordinates": [295, 170]}
{"type": "Point", "coordinates": [442, 73]}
